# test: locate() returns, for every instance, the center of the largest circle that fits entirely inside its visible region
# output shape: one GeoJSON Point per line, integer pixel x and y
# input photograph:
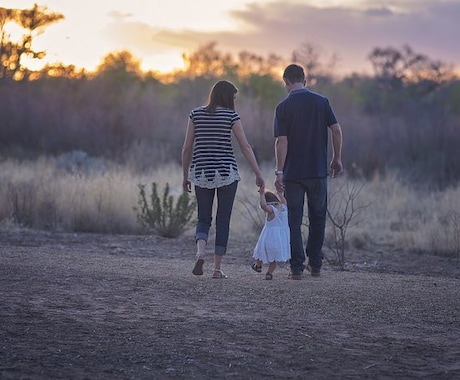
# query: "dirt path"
{"type": "Point", "coordinates": [118, 307]}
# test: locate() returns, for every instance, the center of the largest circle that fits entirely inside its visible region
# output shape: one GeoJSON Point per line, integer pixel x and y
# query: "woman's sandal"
{"type": "Point", "coordinates": [269, 276]}
{"type": "Point", "coordinates": [218, 273]}
{"type": "Point", "coordinates": [257, 268]}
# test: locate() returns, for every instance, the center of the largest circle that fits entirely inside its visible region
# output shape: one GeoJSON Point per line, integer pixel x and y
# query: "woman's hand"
{"type": "Point", "coordinates": [187, 186]}
{"type": "Point", "coordinates": [260, 182]}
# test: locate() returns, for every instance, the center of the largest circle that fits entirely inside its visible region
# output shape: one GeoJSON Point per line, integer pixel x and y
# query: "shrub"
{"type": "Point", "coordinates": [22, 197]}
{"type": "Point", "coordinates": [343, 213]}
{"type": "Point", "coordinates": [163, 215]}
{"type": "Point", "coordinates": [251, 212]}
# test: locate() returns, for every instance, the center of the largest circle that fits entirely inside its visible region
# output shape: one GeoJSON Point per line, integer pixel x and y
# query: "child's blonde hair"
{"type": "Point", "coordinates": [271, 197]}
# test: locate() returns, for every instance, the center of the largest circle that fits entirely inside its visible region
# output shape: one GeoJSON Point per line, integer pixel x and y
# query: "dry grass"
{"type": "Point", "coordinates": [44, 195]}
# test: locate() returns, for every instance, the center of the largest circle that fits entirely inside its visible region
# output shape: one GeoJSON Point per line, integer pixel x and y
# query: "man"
{"type": "Point", "coordinates": [301, 126]}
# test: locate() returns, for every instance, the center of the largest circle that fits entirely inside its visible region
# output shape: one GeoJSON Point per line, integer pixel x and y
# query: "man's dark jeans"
{"type": "Point", "coordinates": [316, 191]}
{"type": "Point", "coordinates": [225, 199]}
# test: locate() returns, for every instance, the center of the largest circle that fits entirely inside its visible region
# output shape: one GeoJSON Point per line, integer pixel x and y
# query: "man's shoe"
{"type": "Point", "coordinates": [315, 272]}
{"type": "Point", "coordinates": [295, 276]}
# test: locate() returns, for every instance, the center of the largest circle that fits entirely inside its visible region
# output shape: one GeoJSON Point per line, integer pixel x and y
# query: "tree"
{"type": "Point", "coordinates": [33, 21]}
{"type": "Point", "coordinates": [403, 78]}
{"type": "Point", "coordinates": [59, 70]}
{"type": "Point", "coordinates": [250, 64]}
{"type": "Point", "coordinates": [397, 69]}
{"type": "Point", "coordinates": [310, 57]}
{"type": "Point", "coordinates": [208, 62]}
{"type": "Point", "coordinates": [8, 50]}
{"type": "Point", "coordinates": [121, 63]}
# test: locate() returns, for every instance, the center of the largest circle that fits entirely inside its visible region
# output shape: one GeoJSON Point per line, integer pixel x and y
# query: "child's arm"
{"type": "Point", "coordinates": [281, 197]}
{"type": "Point", "coordinates": [263, 203]}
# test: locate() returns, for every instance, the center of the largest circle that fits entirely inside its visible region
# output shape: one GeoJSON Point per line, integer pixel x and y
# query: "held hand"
{"type": "Point", "coordinates": [279, 183]}
{"type": "Point", "coordinates": [260, 182]}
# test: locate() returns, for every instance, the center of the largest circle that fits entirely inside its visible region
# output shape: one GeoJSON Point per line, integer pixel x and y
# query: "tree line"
{"type": "Point", "coordinates": [405, 116]}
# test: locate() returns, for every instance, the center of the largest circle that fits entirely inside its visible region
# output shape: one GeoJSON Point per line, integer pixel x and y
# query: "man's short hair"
{"type": "Point", "coordinates": [294, 73]}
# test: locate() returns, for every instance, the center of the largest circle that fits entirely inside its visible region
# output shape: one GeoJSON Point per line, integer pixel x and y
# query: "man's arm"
{"type": "Point", "coordinates": [336, 163]}
{"type": "Point", "coordinates": [281, 146]}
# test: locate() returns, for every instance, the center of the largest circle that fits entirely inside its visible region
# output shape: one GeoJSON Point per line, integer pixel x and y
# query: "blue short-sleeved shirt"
{"type": "Point", "coordinates": [304, 117]}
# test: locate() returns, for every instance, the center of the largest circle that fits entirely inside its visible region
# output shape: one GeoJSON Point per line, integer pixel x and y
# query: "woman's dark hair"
{"type": "Point", "coordinates": [222, 95]}
{"type": "Point", "coordinates": [294, 74]}
{"type": "Point", "coordinates": [271, 197]}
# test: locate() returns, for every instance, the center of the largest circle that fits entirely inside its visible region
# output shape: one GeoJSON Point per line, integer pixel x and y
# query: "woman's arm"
{"type": "Point", "coordinates": [248, 153]}
{"type": "Point", "coordinates": [186, 155]}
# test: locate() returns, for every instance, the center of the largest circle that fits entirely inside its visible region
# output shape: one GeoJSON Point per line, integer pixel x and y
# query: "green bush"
{"type": "Point", "coordinates": [163, 215]}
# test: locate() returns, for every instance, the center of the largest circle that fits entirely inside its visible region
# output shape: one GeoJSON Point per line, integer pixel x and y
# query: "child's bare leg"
{"type": "Point", "coordinates": [271, 267]}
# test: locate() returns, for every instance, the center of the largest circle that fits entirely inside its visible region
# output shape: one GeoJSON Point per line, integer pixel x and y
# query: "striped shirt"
{"type": "Point", "coordinates": [213, 161]}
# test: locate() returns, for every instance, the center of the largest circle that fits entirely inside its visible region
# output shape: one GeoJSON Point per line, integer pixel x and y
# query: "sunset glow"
{"type": "Point", "coordinates": [158, 33]}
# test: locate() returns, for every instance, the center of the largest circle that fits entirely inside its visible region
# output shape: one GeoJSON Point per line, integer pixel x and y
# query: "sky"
{"type": "Point", "coordinates": [159, 32]}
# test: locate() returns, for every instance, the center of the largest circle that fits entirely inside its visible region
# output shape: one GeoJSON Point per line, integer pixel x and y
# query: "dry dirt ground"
{"type": "Point", "coordinates": [85, 306]}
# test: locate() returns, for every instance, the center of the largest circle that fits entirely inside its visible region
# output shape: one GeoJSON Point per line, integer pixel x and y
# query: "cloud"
{"type": "Point", "coordinates": [119, 16]}
{"type": "Point", "coordinates": [379, 12]}
{"type": "Point", "coordinates": [138, 37]}
{"type": "Point", "coordinates": [430, 28]}
{"type": "Point", "coordinates": [280, 27]}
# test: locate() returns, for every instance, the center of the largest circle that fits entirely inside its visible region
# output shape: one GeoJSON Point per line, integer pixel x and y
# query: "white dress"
{"type": "Point", "coordinates": [274, 240]}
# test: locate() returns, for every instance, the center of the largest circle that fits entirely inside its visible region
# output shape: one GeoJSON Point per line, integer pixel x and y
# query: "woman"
{"type": "Point", "coordinates": [212, 168]}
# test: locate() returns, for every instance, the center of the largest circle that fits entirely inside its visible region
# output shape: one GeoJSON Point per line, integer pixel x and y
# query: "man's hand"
{"type": "Point", "coordinates": [279, 183]}
{"type": "Point", "coordinates": [336, 168]}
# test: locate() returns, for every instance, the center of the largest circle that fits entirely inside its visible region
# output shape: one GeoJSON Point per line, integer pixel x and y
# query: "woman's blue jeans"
{"type": "Point", "coordinates": [316, 191]}
{"type": "Point", "coordinates": [205, 199]}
